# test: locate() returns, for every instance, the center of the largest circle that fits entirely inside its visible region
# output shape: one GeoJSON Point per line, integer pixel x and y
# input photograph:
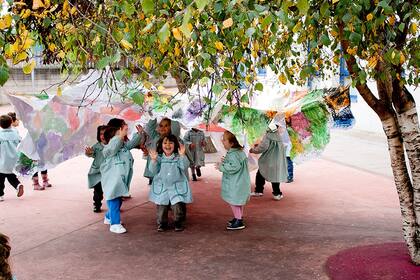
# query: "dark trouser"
{"type": "Point", "coordinates": [98, 195]}
{"type": "Point", "coordinates": [289, 168]}
{"type": "Point", "coordinates": [162, 213]}
{"type": "Point", "coordinates": [13, 180]}
{"type": "Point", "coordinates": [259, 185]}
{"type": "Point", "coordinates": [42, 172]}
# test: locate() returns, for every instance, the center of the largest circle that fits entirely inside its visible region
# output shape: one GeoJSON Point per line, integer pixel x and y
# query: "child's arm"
{"type": "Point", "coordinates": [153, 166]}
{"type": "Point", "coordinates": [230, 165]}
{"type": "Point", "coordinates": [262, 147]}
{"type": "Point", "coordinates": [113, 147]}
{"type": "Point", "coordinates": [89, 152]}
{"type": "Point", "coordinates": [183, 162]}
{"type": "Point", "coordinates": [137, 138]}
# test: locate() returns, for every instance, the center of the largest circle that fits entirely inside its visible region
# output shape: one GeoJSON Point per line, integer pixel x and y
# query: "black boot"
{"type": "Point", "coordinates": [198, 170]}
{"type": "Point", "coordinates": [194, 178]}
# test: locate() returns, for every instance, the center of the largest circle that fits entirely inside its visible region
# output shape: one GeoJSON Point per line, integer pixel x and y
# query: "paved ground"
{"type": "Point", "coordinates": [337, 203]}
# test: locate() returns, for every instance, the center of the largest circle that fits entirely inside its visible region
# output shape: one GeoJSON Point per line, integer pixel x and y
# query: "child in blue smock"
{"type": "Point", "coordinates": [195, 142]}
{"type": "Point", "coordinates": [170, 186]}
{"type": "Point", "coordinates": [117, 169]}
{"type": "Point", "coordinates": [9, 139]}
{"type": "Point", "coordinates": [94, 175]}
{"type": "Point", "coordinates": [236, 183]}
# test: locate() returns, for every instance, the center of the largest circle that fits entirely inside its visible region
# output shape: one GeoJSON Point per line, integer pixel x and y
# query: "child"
{"type": "Point", "coordinates": [9, 139]}
{"type": "Point", "coordinates": [236, 183]}
{"type": "Point", "coordinates": [5, 271]}
{"type": "Point", "coordinates": [170, 184]}
{"type": "Point", "coordinates": [196, 140]}
{"type": "Point", "coordinates": [117, 170]}
{"type": "Point", "coordinates": [272, 163]}
{"type": "Point", "coordinates": [94, 175]}
{"type": "Point", "coordinates": [154, 133]}
{"type": "Point", "coordinates": [286, 141]}
{"type": "Point", "coordinates": [15, 120]}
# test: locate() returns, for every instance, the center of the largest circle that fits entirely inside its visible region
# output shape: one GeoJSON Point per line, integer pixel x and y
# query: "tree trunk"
{"type": "Point", "coordinates": [404, 188]}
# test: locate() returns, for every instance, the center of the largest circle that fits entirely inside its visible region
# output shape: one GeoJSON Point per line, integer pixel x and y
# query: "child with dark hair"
{"type": "Point", "coordinates": [117, 171]}
{"type": "Point", "coordinates": [170, 186]}
{"type": "Point", "coordinates": [236, 184]}
{"type": "Point", "coordinates": [194, 140]}
{"type": "Point", "coordinates": [94, 175]}
{"type": "Point", "coordinates": [9, 140]}
{"type": "Point", "coordinates": [15, 120]}
{"type": "Point", "coordinates": [5, 271]}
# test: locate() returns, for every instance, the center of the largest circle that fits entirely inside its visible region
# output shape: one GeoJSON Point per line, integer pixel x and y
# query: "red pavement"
{"type": "Point", "coordinates": [329, 208]}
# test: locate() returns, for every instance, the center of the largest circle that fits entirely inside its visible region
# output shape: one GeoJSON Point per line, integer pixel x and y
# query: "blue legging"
{"type": "Point", "coordinates": [113, 213]}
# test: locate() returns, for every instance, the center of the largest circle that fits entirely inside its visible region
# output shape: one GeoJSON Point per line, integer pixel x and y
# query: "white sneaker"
{"type": "Point", "coordinates": [1, 198]}
{"type": "Point", "coordinates": [107, 221]}
{"type": "Point", "coordinates": [257, 194]}
{"type": "Point", "coordinates": [278, 197]}
{"type": "Point", "coordinates": [117, 229]}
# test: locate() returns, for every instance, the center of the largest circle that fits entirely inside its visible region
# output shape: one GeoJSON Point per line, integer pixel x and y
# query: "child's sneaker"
{"type": "Point", "coordinates": [229, 223]}
{"type": "Point", "coordinates": [45, 181]}
{"type": "Point", "coordinates": [1, 198]}
{"type": "Point", "coordinates": [19, 191]}
{"type": "Point", "coordinates": [179, 226]}
{"type": "Point", "coordinates": [236, 225]}
{"type": "Point", "coordinates": [162, 227]}
{"type": "Point", "coordinates": [36, 185]}
{"type": "Point", "coordinates": [257, 194]}
{"type": "Point", "coordinates": [289, 180]}
{"type": "Point", "coordinates": [278, 197]}
{"type": "Point", "coordinates": [117, 229]}
{"type": "Point", "coordinates": [198, 170]}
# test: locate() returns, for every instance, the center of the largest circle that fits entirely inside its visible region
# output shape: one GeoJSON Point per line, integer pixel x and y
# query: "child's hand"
{"type": "Point", "coordinates": [181, 150]}
{"type": "Point", "coordinates": [222, 159]}
{"type": "Point", "coordinates": [153, 155]}
{"type": "Point", "coordinates": [139, 129]}
{"type": "Point", "coordinates": [217, 165]}
{"type": "Point", "coordinates": [88, 151]}
{"type": "Point", "coordinates": [192, 146]}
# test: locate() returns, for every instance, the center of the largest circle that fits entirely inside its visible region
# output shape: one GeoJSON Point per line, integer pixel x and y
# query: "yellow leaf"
{"type": "Point", "coordinates": [369, 17]}
{"type": "Point", "coordinates": [126, 45]}
{"type": "Point", "coordinates": [335, 1]}
{"type": "Point", "coordinates": [352, 51]}
{"type": "Point", "coordinates": [256, 46]}
{"type": "Point", "coordinates": [402, 58]}
{"type": "Point", "coordinates": [147, 62]}
{"type": "Point", "coordinates": [5, 21]}
{"type": "Point", "coordinates": [177, 51]}
{"type": "Point", "coordinates": [282, 78]}
{"type": "Point", "coordinates": [334, 33]}
{"type": "Point", "coordinates": [372, 62]}
{"type": "Point", "coordinates": [28, 43]}
{"type": "Point", "coordinates": [73, 10]}
{"type": "Point", "coordinates": [37, 4]}
{"type": "Point", "coordinates": [26, 13]}
{"type": "Point", "coordinates": [19, 57]}
{"type": "Point", "coordinates": [66, 5]}
{"type": "Point", "coordinates": [177, 34]}
{"type": "Point", "coordinates": [52, 47]}
{"type": "Point", "coordinates": [254, 54]}
{"type": "Point", "coordinates": [147, 84]}
{"type": "Point", "coordinates": [59, 91]}
{"type": "Point", "coordinates": [213, 28]}
{"type": "Point", "coordinates": [413, 28]}
{"type": "Point", "coordinates": [29, 67]}
{"type": "Point", "coordinates": [141, 16]}
{"type": "Point", "coordinates": [391, 20]}
{"type": "Point", "coordinates": [61, 55]}
{"type": "Point", "coordinates": [297, 27]}
{"type": "Point", "coordinates": [161, 88]}
{"type": "Point", "coordinates": [190, 26]}
{"type": "Point", "coordinates": [60, 27]}
{"type": "Point", "coordinates": [219, 45]}
{"type": "Point", "coordinates": [47, 3]}
{"type": "Point", "coordinates": [227, 23]}
{"type": "Point", "coordinates": [8, 51]}
{"type": "Point", "coordinates": [336, 59]}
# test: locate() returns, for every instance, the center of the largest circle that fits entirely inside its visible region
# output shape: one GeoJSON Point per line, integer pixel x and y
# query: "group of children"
{"type": "Point", "coordinates": [168, 159]}
{"type": "Point", "coordinates": [9, 141]}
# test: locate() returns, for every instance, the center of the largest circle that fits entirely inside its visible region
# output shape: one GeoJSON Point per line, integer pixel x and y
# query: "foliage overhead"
{"type": "Point", "coordinates": [221, 43]}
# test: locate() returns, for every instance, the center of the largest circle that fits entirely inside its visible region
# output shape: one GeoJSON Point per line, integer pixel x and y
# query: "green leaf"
{"type": "Point", "coordinates": [129, 9]}
{"type": "Point", "coordinates": [303, 6]}
{"type": "Point", "coordinates": [4, 74]}
{"type": "Point", "coordinates": [259, 86]}
{"type": "Point", "coordinates": [355, 38]}
{"type": "Point", "coordinates": [245, 98]}
{"type": "Point", "coordinates": [325, 40]}
{"type": "Point", "coordinates": [148, 6]}
{"type": "Point", "coordinates": [164, 33]}
{"type": "Point", "coordinates": [119, 75]}
{"type": "Point", "coordinates": [401, 26]}
{"type": "Point", "coordinates": [324, 8]}
{"type": "Point", "coordinates": [266, 21]}
{"type": "Point", "coordinates": [217, 88]}
{"type": "Point", "coordinates": [103, 62]}
{"type": "Point", "coordinates": [201, 4]}
{"type": "Point", "coordinates": [184, 27]}
{"type": "Point", "coordinates": [136, 96]}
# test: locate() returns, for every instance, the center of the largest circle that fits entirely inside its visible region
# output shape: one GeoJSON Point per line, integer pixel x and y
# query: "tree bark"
{"type": "Point", "coordinates": [404, 188]}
